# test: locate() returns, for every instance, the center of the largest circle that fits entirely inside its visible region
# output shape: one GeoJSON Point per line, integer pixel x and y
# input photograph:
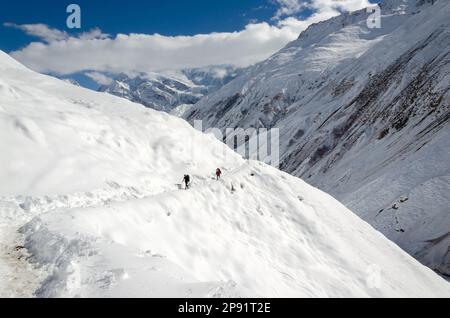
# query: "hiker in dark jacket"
{"type": "Point", "coordinates": [187, 181]}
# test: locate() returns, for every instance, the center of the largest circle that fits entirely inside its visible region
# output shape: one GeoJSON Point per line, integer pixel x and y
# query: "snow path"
{"type": "Point", "coordinates": [19, 278]}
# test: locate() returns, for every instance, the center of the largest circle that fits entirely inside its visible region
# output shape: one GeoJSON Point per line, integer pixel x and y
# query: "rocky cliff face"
{"type": "Point", "coordinates": [364, 115]}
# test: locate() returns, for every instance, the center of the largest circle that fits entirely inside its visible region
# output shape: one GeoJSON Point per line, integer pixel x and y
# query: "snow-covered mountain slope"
{"type": "Point", "coordinates": [363, 115]}
{"type": "Point", "coordinates": [90, 206]}
{"type": "Point", "coordinates": [168, 90]}
{"type": "Point", "coordinates": [71, 81]}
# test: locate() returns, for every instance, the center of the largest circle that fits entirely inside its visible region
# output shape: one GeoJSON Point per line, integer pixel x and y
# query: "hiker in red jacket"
{"type": "Point", "coordinates": [218, 173]}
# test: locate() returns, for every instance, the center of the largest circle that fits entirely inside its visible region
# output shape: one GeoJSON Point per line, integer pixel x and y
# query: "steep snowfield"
{"type": "Point", "coordinates": [67, 132]}
{"type": "Point", "coordinates": [363, 115]}
{"type": "Point", "coordinates": [90, 206]}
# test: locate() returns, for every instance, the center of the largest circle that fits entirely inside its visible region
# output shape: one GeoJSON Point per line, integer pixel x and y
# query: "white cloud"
{"type": "Point", "coordinates": [220, 73]}
{"type": "Point", "coordinates": [289, 7]}
{"type": "Point", "coordinates": [99, 78]}
{"type": "Point", "coordinates": [97, 52]}
{"type": "Point", "coordinates": [40, 30]}
{"type": "Point", "coordinates": [49, 35]}
{"type": "Point", "coordinates": [146, 53]}
{"type": "Point", "coordinates": [93, 34]}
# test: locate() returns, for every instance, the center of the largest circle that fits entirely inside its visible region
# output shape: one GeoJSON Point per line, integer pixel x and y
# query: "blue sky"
{"type": "Point", "coordinates": [194, 33]}
{"type": "Point", "coordinates": [134, 16]}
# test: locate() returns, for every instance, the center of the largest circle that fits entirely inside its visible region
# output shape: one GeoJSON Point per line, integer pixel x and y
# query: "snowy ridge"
{"type": "Point", "coordinates": [92, 199]}
{"type": "Point", "coordinates": [363, 115]}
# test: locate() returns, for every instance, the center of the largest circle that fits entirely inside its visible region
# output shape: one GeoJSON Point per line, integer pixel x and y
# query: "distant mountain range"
{"type": "Point", "coordinates": [167, 90]}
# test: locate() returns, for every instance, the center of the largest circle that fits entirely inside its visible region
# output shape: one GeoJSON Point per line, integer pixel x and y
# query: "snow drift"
{"type": "Point", "coordinates": [90, 182]}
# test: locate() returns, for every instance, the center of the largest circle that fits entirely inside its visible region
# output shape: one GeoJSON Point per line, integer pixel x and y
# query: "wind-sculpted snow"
{"type": "Point", "coordinates": [91, 206]}
{"type": "Point", "coordinates": [363, 115]}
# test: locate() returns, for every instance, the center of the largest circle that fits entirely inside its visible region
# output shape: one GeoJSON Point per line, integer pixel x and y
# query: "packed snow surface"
{"type": "Point", "coordinates": [91, 206]}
